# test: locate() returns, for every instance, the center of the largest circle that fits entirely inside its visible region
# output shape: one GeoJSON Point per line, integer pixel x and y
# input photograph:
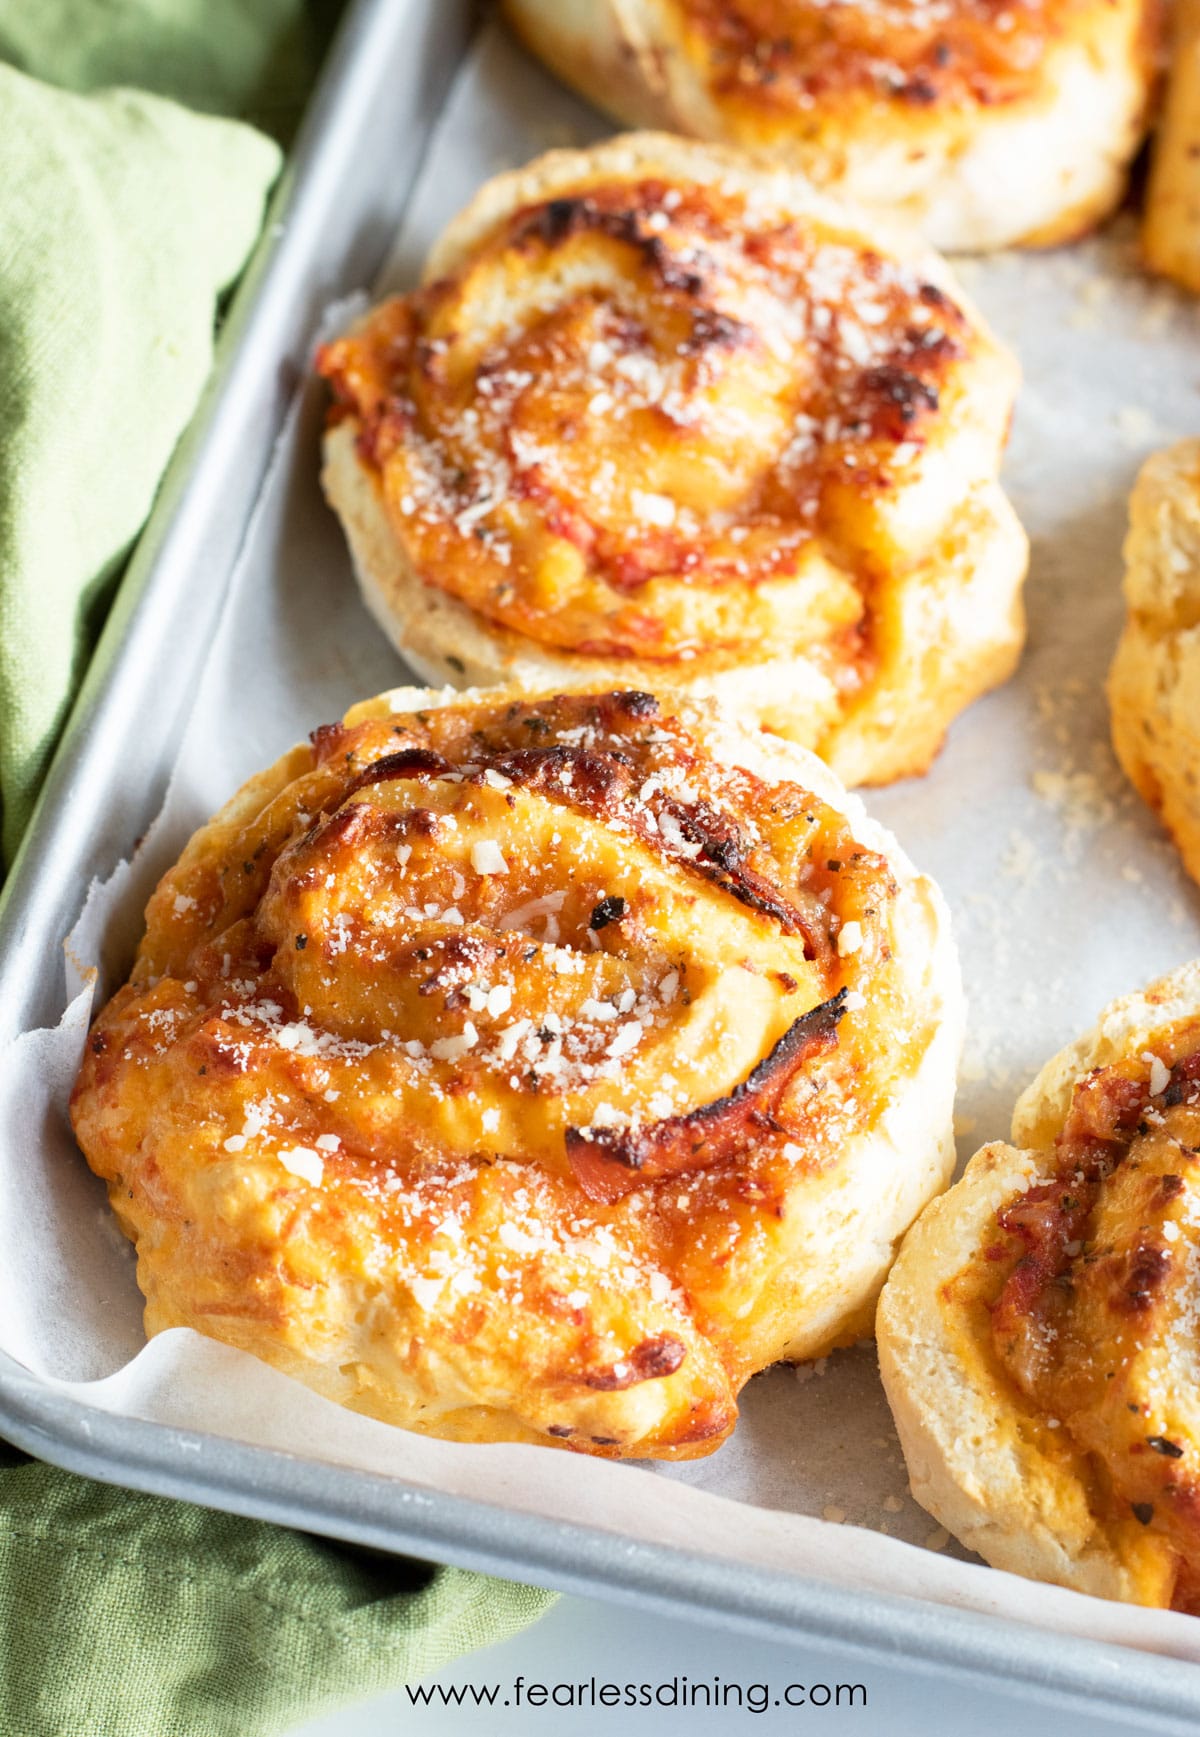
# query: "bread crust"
{"type": "Point", "coordinates": [931, 573]}
{"type": "Point", "coordinates": [477, 1286]}
{"type": "Point", "coordinates": [1154, 684]}
{"type": "Point", "coordinates": [980, 141]}
{"type": "Point", "coordinates": [984, 1459]}
{"type": "Point", "coordinates": [1171, 213]}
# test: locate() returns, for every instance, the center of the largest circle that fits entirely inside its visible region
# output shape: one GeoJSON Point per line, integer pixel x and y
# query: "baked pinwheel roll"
{"type": "Point", "coordinates": [1154, 684]}
{"type": "Point", "coordinates": [529, 1069]}
{"type": "Point", "coordinates": [987, 123]}
{"type": "Point", "coordinates": [1037, 1336]}
{"type": "Point", "coordinates": [659, 417]}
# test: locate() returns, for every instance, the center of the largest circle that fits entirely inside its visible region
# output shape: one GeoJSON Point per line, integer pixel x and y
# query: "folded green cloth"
{"type": "Point", "coordinates": [130, 1616]}
{"type": "Point", "coordinates": [123, 219]}
{"type": "Point", "coordinates": [251, 58]}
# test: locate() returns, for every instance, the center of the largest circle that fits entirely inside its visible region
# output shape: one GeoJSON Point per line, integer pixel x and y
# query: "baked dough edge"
{"type": "Point", "coordinates": [970, 1463]}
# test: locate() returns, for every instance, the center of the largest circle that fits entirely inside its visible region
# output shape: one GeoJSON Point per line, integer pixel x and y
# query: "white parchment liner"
{"type": "Point", "coordinates": [1063, 890]}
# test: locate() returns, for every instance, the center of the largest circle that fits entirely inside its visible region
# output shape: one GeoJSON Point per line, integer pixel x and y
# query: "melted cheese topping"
{"type": "Point", "coordinates": [507, 1039]}
{"type": "Point", "coordinates": [666, 419]}
{"type": "Point", "coordinates": [771, 63]}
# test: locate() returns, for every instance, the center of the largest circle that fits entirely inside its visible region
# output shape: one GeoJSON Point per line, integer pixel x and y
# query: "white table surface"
{"type": "Point", "coordinates": [580, 1639]}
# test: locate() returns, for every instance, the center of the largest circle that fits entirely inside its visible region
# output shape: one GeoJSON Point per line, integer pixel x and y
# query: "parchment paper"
{"type": "Point", "coordinates": [1063, 889]}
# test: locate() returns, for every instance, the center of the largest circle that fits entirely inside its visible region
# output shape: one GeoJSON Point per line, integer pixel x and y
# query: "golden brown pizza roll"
{"type": "Point", "coordinates": [529, 1069]}
{"type": "Point", "coordinates": [1037, 1334]}
{"type": "Point", "coordinates": [987, 123]}
{"type": "Point", "coordinates": [657, 416]}
{"type": "Point", "coordinates": [1154, 684]}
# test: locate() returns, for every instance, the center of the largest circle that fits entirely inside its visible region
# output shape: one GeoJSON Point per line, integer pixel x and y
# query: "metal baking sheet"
{"type": "Point", "coordinates": [332, 226]}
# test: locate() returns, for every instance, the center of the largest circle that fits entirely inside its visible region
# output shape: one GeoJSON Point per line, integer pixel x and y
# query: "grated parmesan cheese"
{"type": "Point", "coordinates": [451, 1048]}
{"type": "Point", "coordinates": [850, 939]}
{"type": "Point", "coordinates": [487, 858]}
{"type": "Point", "coordinates": [652, 509]}
{"type": "Point", "coordinates": [1160, 1074]}
{"type": "Point", "coordinates": [302, 1161]}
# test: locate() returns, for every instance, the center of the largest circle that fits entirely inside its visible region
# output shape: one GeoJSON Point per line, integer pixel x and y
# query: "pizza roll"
{"type": "Point", "coordinates": [658, 417]}
{"type": "Point", "coordinates": [1037, 1334]}
{"type": "Point", "coordinates": [1171, 226]}
{"type": "Point", "coordinates": [986, 123]}
{"type": "Point", "coordinates": [529, 1069]}
{"type": "Point", "coordinates": [1154, 684]}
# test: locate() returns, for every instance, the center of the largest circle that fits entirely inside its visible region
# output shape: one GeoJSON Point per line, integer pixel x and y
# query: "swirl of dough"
{"type": "Point", "coordinates": [1054, 1289]}
{"type": "Point", "coordinates": [660, 416]}
{"type": "Point", "coordinates": [987, 123]}
{"type": "Point", "coordinates": [529, 1069]}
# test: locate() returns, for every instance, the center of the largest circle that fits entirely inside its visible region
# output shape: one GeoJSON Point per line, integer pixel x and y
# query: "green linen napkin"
{"type": "Point", "coordinates": [131, 1616]}
{"type": "Point", "coordinates": [124, 217]}
{"type": "Point", "coordinates": [251, 58]}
